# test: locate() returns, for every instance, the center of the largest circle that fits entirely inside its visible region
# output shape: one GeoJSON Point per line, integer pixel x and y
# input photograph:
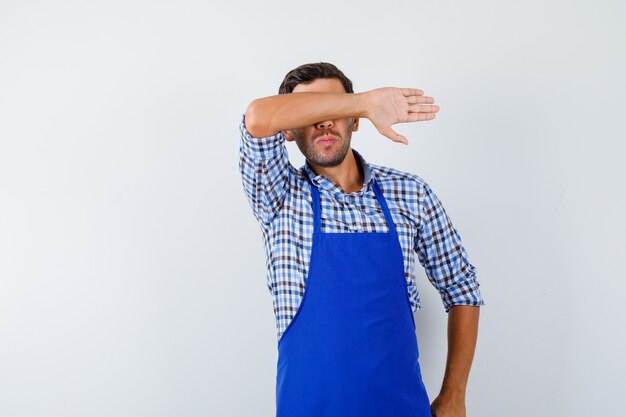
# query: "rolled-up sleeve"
{"type": "Point", "coordinates": [441, 253]}
{"type": "Point", "coordinates": [265, 168]}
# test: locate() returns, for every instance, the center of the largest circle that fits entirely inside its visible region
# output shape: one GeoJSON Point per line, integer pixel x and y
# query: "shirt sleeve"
{"type": "Point", "coordinates": [441, 253]}
{"type": "Point", "coordinates": [265, 169]}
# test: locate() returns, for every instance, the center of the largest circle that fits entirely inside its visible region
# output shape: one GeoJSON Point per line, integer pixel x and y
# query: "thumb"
{"type": "Point", "coordinates": [394, 136]}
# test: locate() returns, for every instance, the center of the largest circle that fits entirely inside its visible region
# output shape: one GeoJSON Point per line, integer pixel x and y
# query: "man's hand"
{"type": "Point", "coordinates": [388, 106]}
{"type": "Point", "coordinates": [448, 405]}
{"type": "Point", "coordinates": [383, 107]}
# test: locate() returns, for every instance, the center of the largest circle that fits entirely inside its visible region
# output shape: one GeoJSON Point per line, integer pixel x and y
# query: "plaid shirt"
{"type": "Point", "coordinates": [280, 198]}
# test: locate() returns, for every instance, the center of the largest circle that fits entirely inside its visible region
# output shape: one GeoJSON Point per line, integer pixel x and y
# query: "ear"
{"type": "Point", "coordinates": [355, 124]}
{"type": "Point", "coordinates": [288, 135]}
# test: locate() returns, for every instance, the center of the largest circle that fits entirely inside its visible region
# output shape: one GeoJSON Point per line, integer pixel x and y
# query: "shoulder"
{"type": "Point", "coordinates": [404, 189]}
{"type": "Point", "coordinates": [388, 176]}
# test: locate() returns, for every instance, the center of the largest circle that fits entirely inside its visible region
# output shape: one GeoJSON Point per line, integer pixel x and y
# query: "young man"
{"type": "Point", "coordinates": [340, 236]}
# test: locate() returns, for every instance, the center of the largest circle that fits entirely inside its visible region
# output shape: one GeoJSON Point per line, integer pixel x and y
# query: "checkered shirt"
{"type": "Point", "coordinates": [280, 198]}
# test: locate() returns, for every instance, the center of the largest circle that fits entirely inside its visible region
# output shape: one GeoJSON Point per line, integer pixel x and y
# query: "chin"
{"type": "Point", "coordinates": [328, 162]}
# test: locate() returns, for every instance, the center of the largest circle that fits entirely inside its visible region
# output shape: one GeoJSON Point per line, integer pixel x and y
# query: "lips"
{"type": "Point", "coordinates": [326, 140]}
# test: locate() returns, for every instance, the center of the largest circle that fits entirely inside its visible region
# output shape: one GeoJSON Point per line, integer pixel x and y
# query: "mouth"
{"type": "Point", "coordinates": [326, 140]}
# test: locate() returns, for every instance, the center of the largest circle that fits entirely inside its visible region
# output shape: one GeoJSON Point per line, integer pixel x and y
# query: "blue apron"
{"type": "Point", "coordinates": [351, 350]}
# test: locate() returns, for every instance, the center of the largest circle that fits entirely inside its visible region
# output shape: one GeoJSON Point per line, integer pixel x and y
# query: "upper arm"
{"type": "Point", "coordinates": [265, 169]}
{"type": "Point", "coordinates": [441, 253]}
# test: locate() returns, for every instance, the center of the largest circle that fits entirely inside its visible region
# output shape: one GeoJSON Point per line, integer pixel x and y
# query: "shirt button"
{"type": "Point", "coordinates": [349, 199]}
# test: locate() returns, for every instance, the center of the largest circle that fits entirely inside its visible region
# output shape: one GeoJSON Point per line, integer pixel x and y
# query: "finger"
{"type": "Point", "coordinates": [419, 117]}
{"type": "Point", "coordinates": [419, 99]}
{"type": "Point", "coordinates": [412, 92]}
{"type": "Point", "coordinates": [423, 108]}
{"type": "Point", "coordinates": [394, 136]}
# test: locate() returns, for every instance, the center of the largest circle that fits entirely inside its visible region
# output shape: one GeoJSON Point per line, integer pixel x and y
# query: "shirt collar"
{"type": "Point", "coordinates": [324, 182]}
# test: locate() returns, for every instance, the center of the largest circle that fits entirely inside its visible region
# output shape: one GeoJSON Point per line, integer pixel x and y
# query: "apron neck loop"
{"type": "Point", "coordinates": [317, 207]}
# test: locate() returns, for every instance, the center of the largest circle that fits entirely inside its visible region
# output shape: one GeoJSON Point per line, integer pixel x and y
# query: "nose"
{"type": "Point", "coordinates": [324, 125]}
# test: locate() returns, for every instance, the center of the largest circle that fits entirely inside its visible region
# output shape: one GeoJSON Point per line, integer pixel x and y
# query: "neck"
{"type": "Point", "coordinates": [348, 175]}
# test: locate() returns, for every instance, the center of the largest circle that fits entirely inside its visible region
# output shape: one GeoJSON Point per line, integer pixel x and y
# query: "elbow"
{"type": "Point", "coordinates": [254, 121]}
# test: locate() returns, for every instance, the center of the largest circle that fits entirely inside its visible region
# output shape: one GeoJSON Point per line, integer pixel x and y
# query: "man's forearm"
{"type": "Point", "coordinates": [462, 336]}
{"type": "Point", "coordinates": [383, 107]}
{"type": "Point", "coordinates": [269, 115]}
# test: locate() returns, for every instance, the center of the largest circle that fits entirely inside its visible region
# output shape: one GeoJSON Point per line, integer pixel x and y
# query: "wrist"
{"type": "Point", "coordinates": [453, 391]}
{"type": "Point", "coordinates": [362, 103]}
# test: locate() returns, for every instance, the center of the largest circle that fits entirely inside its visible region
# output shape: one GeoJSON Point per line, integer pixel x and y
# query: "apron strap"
{"type": "Point", "coordinates": [316, 208]}
{"type": "Point", "coordinates": [383, 204]}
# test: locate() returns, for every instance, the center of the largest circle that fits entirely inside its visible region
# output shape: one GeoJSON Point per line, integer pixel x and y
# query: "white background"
{"type": "Point", "coordinates": [132, 275]}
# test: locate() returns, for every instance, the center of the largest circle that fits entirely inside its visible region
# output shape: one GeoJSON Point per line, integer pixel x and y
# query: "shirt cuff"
{"type": "Point", "coordinates": [260, 148]}
{"type": "Point", "coordinates": [464, 291]}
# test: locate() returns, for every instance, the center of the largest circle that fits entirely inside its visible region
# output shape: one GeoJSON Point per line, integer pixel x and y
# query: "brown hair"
{"type": "Point", "coordinates": [310, 72]}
